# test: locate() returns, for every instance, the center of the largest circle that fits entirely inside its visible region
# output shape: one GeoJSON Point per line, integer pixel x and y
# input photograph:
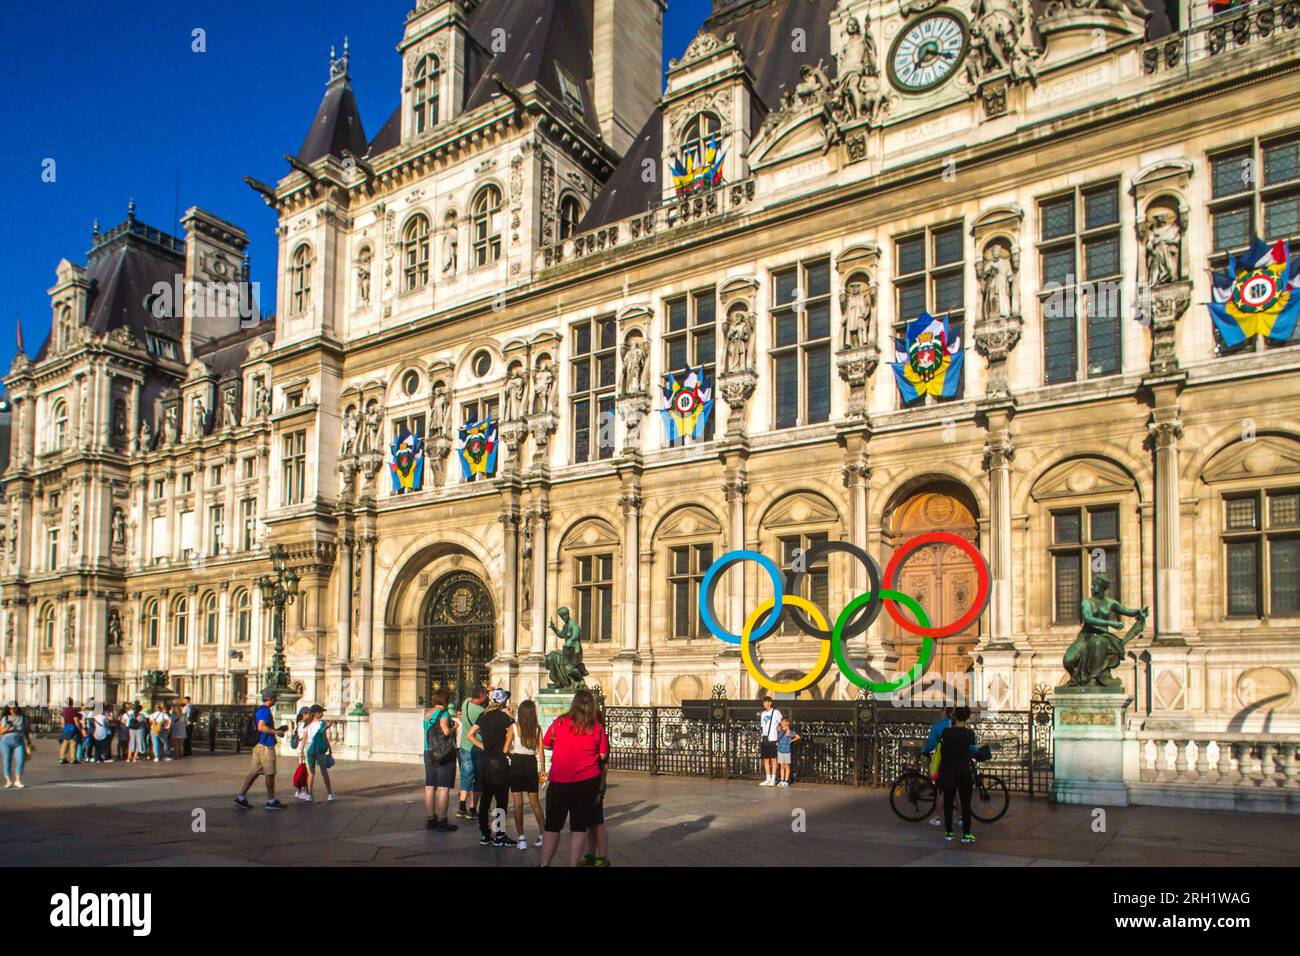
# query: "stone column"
{"type": "Point", "coordinates": [164, 631]}
{"type": "Point", "coordinates": [509, 598]}
{"type": "Point", "coordinates": [1166, 429]}
{"type": "Point", "coordinates": [104, 431]}
{"type": "Point", "coordinates": [221, 691]}
{"type": "Point", "coordinates": [133, 415]}
{"type": "Point", "coordinates": [727, 666]}
{"type": "Point", "coordinates": [540, 557]}
{"type": "Point", "coordinates": [366, 555]}
{"type": "Point", "coordinates": [230, 526]}
{"type": "Point", "coordinates": [344, 576]}
{"type": "Point", "coordinates": [200, 507]}
{"type": "Point", "coordinates": [998, 452]}
{"type": "Point", "coordinates": [627, 663]}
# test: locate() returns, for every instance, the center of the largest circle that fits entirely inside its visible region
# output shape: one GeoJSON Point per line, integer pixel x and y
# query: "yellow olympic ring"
{"type": "Point", "coordinates": [818, 670]}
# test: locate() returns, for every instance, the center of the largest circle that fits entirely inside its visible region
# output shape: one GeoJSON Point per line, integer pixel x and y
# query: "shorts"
{"type": "Point", "coordinates": [264, 760]}
{"type": "Point", "coordinates": [470, 760]}
{"type": "Point", "coordinates": [783, 758]}
{"type": "Point", "coordinates": [523, 773]}
{"type": "Point", "coordinates": [69, 732]}
{"type": "Point", "coordinates": [576, 802]}
{"type": "Point", "coordinates": [439, 774]}
{"type": "Point", "coordinates": [767, 749]}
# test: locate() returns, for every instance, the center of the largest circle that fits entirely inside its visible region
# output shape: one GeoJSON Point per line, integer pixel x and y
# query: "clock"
{"type": "Point", "coordinates": [928, 51]}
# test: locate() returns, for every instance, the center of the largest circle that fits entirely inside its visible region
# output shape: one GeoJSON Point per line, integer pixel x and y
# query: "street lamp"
{"type": "Point", "coordinates": [278, 593]}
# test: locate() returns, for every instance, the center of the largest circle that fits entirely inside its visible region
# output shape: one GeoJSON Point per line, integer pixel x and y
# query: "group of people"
{"type": "Point", "coordinates": [91, 731]}
{"type": "Point", "coordinates": [503, 757]}
{"type": "Point", "coordinates": [309, 739]}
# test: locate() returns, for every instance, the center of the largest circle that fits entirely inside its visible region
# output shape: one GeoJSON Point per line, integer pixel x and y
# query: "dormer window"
{"type": "Point", "coordinates": [415, 246]}
{"type": "Point", "coordinates": [163, 347]}
{"type": "Point", "coordinates": [424, 94]}
{"type": "Point", "coordinates": [570, 216]}
{"type": "Point", "coordinates": [571, 91]}
{"type": "Point", "coordinates": [63, 330]}
{"type": "Point", "coordinates": [486, 228]}
{"type": "Point", "coordinates": [698, 163]}
{"type": "Point", "coordinates": [300, 280]}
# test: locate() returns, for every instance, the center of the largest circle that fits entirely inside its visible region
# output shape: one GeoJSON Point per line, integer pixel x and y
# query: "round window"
{"type": "Point", "coordinates": [481, 364]}
{"type": "Point", "coordinates": [411, 382]}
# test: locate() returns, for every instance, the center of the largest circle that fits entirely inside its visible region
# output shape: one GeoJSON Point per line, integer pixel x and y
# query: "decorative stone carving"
{"type": "Point", "coordinates": [1167, 305]}
{"type": "Point", "coordinates": [200, 419]}
{"type": "Point", "coordinates": [261, 398]}
{"type": "Point", "coordinates": [372, 442]}
{"type": "Point", "coordinates": [440, 412]}
{"type": "Point", "coordinates": [363, 276]}
{"type": "Point", "coordinates": [516, 395]}
{"type": "Point", "coordinates": [859, 354]}
{"type": "Point", "coordinates": [543, 401]}
{"type": "Point", "coordinates": [998, 322]}
{"type": "Point", "coordinates": [1001, 43]}
{"type": "Point", "coordinates": [541, 426]}
{"type": "Point", "coordinates": [996, 272]}
{"type": "Point", "coordinates": [74, 529]}
{"type": "Point", "coordinates": [859, 93]}
{"type": "Point", "coordinates": [70, 629]}
{"type": "Point", "coordinates": [114, 628]}
{"type": "Point", "coordinates": [143, 436]}
{"type": "Point", "coordinates": [351, 427]}
{"type": "Point", "coordinates": [858, 311]}
{"type": "Point", "coordinates": [119, 528]}
{"type": "Point", "coordinates": [739, 332]}
{"type": "Point", "coordinates": [451, 249]}
{"type": "Point", "coordinates": [1161, 235]}
{"type": "Point", "coordinates": [635, 369]}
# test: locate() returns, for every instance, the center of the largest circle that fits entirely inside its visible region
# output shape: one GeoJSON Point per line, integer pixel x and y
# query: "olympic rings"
{"type": "Point", "coordinates": [823, 658]}
{"type": "Point", "coordinates": [982, 574]}
{"type": "Point", "coordinates": [709, 584]}
{"type": "Point", "coordinates": [881, 687]}
{"type": "Point", "coordinates": [794, 578]}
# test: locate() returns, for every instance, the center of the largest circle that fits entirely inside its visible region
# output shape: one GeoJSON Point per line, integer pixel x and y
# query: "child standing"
{"type": "Point", "coordinates": [783, 750]}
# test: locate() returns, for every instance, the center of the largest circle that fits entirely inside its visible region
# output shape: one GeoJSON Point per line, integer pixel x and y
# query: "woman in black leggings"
{"type": "Point", "coordinates": [492, 733]}
{"type": "Point", "coordinates": [957, 745]}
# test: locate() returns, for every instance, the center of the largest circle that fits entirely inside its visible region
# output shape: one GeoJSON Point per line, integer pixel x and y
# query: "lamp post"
{"type": "Point", "coordinates": [278, 593]}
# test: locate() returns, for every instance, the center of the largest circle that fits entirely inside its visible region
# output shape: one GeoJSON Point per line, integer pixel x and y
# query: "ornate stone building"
{"type": "Point", "coordinates": [538, 234]}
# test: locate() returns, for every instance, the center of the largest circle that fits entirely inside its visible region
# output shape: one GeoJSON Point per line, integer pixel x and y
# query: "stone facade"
{"type": "Point", "coordinates": [1073, 445]}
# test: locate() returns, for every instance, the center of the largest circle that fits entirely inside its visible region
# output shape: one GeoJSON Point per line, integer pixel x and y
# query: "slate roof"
{"type": "Point", "coordinates": [337, 126]}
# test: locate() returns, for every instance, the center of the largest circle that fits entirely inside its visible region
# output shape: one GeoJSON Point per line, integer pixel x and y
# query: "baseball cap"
{"type": "Point", "coordinates": [268, 695]}
{"type": "Point", "coordinates": [303, 712]}
{"type": "Point", "coordinates": [317, 709]}
{"type": "Point", "coordinates": [500, 695]}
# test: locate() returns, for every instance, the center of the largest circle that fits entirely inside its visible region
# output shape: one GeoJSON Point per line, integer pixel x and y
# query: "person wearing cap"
{"type": "Point", "coordinates": [263, 755]}
{"type": "Point", "coordinates": [491, 734]}
{"type": "Point", "coordinates": [300, 723]}
{"type": "Point", "coordinates": [314, 746]}
{"type": "Point", "coordinates": [15, 744]}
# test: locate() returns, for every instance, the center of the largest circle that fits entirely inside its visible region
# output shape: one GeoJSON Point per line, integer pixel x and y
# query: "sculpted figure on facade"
{"type": "Point", "coordinates": [119, 527]}
{"type": "Point", "coordinates": [996, 273]}
{"type": "Point", "coordinates": [70, 629]}
{"type": "Point", "coordinates": [261, 398]}
{"type": "Point", "coordinates": [74, 529]}
{"type": "Point", "coordinates": [516, 396]}
{"type": "Point", "coordinates": [634, 367]}
{"type": "Point", "coordinates": [372, 443]}
{"type": "Point", "coordinates": [1000, 40]}
{"type": "Point", "coordinates": [114, 627]}
{"type": "Point", "coordinates": [200, 417]}
{"type": "Point", "coordinates": [230, 408]}
{"type": "Point", "coordinates": [1162, 237]}
{"type": "Point", "coordinates": [543, 389]}
{"type": "Point", "coordinates": [351, 429]}
{"type": "Point", "coordinates": [740, 341]}
{"type": "Point", "coordinates": [440, 412]}
{"type": "Point", "coordinates": [858, 89]}
{"type": "Point", "coordinates": [363, 276]}
{"type": "Point", "coordinates": [858, 312]}
{"type": "Point", "coordinates": [144, 435]}
{"type": "Point", "coordinates": [450, 249]}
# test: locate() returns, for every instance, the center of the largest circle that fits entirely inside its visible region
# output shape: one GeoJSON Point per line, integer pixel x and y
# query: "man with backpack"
{"type": "Point", "coordinates": [263, 753]}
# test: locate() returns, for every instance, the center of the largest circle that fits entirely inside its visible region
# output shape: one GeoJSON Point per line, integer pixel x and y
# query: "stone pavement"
{"type": "Point", "coordinates": [142, 814]}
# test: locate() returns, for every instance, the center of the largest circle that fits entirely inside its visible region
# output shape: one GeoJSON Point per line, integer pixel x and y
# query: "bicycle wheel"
{"type": "Point", "coordinates": [913, 795]}
{"type": "Point", "coordinates": [990, 798]}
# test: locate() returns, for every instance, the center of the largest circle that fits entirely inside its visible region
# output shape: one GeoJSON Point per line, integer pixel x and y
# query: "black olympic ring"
{"type": "Point", "coordinates": [869, 612]}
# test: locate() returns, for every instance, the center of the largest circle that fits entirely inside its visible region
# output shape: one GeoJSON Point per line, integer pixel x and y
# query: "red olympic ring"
{"type": "Point", "coordinates": [981, 573]}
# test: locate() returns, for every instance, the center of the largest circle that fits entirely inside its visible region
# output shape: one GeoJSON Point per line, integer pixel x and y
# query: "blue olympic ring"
{"type": "Point", "coordinates": [709, 584]}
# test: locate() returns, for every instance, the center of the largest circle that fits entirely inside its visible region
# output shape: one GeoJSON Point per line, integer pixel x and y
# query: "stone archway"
{"type": "Point", "coordinates": [457, 634]}
{"type": "Point", "coordinates": [939, 576]}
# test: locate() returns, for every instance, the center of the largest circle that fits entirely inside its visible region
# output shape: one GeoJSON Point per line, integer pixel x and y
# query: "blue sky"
{"type": "Point", "coordinates": [113, 93]}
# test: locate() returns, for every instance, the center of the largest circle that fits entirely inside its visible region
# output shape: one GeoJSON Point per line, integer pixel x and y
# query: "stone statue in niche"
{"type": "Point", "coordinates": [119, 527]}
{"type": "Point", "coordinates": [229, 411]}
{"type": "Point", "coordinates": [543, 389]}
{"type": "Point", "coordinates": [440, 412]}
{"type": "Point", "coordinates": [634, 367]}
{"type": "Point", "coordinates": [740, 341]}
{"type": "Point", "coordinates": [351, 429]}
{"type": "Point", "coordinates": [1162, 237]}
{"type": "Point", "coordinates": [516, 395]}
{"type": "Point", "coordinates": [373, 443]}
{"type": "Point", "coordinates": [74, 529]}
{"type": "Point", "coordinates": [144, 436]}
{"type": "Point", "coordinates": [858, 312]}
{"type": "Point", "coordinates": [114, 628]}
{"type": "Point", "coordinates": [526, 566]}
{"type": "Point", "coordinates": [995, 273]}
{"type": "Point", "coordinates": [200, 417]}
{"type": "Point", "coordinates": [450, 249]}
{"type": "Point", "coordinates": [119, 423]}
{"type": "Point", "coordinates": [70, 629]}
{"type": "Point", "coordinates": [363, 276]}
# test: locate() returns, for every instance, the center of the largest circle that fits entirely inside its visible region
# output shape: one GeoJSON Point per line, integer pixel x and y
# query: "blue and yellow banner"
{"type": "Point", "coordinates": [477, 449]}
{"type": "Point", "coordinates": [693, 171]}
{"type": "Point", "coordinates": [929, 362]}
{"type": "Point", "coordinates": [1258, 295]}
{"type": "Point", "coordinates": [406, 462]}
{"type": "Point", "coordinates": [688, 403]}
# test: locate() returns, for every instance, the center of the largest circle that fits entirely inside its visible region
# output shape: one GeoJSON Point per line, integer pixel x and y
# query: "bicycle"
{"type": "Point", "coordinates": [914, 796]}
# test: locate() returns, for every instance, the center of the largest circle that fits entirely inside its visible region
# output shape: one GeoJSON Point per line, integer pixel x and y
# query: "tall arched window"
{"type": "Point", "coordinates": [570, 214]}
{"type": "Point", "coordinates": [210, 618]}
{"type": "Point", "coordinates": [151, 623]}
{"type": "Point", "coordinates": [703, 131]}
{"type": "Point", "coordinates": [180, 621]}
{"type": "Point", "coordinates": [63, 329]}
{"type": "Point", "coordinates": [243, 618]}
{"type": "Point", "coordinates": [46, 628]}
{"type": "Point", "coordinates": [424, 94]}
{"type": "Point", "coordinates": [300, 279]}
{"type": "Point", "coordinates": [58, 425]}
{"type": "Point", "coordinates": [415, 242]}
{"type": "Point", "coordinates": [486, 228]}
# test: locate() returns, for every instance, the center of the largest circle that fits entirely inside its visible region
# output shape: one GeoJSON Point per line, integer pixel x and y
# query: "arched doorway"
{"type": "Point", "coordinates": [939, 576]}
{"type": "Point", "coordinates": [457, 627]}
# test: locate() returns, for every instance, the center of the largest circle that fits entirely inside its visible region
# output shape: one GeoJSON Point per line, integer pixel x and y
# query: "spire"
{"type": "Point", "coordinates": [337, 126]}
{"type": "Point", "coordinates": [339, 65]}
{"type": "Point", "coordinates": [130, 210]}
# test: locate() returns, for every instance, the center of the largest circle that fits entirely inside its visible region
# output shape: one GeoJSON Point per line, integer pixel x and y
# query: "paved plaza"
{"type": "Point", "coordinates": [122, 814]}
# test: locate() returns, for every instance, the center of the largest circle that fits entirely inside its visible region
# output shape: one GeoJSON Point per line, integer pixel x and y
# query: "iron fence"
{"type": "Point", "coordinates": [221, 725]}
{"type": "Point", "coordinates": [859, 743]}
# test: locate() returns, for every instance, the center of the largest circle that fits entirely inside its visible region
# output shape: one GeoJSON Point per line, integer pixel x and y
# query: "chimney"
{"type": "Point", "coordinates": [627, 66]}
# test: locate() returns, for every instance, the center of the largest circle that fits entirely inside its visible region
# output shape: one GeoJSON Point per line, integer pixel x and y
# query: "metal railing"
{"type": "Point", "coordinates": [221, 725]}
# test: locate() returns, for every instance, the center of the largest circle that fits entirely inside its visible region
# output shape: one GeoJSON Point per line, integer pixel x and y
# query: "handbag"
{"type": "Point", "coordinates": [327, 761]}
{"type": "Point", "coordinates": [300, 777]}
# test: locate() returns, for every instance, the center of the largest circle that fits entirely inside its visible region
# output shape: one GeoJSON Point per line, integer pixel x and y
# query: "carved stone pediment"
{"type": "Point", "coordinates": [798, 510]}
{"type": "Point", "coordinates": [1266, 455]}
{"type": "Point", "coordinates": [739, 289]}
{"type": "Point", "coordinates": [1082, 476]}
{"type": "Point", "coordinates": [592, 533]}
{"type": "Point", "coordinates": [688, 522]}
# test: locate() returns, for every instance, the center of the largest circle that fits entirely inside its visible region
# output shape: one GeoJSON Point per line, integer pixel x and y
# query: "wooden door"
{"type": "Point", "coordinates": [940, 577]}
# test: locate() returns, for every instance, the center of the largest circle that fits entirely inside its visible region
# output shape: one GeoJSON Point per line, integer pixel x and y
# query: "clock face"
{"type": "Point", "coordinates": [927, 52]}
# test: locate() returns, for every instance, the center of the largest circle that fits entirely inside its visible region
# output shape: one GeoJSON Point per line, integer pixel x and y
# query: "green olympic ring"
{"type": "Point", "coordinates": [881, 687]}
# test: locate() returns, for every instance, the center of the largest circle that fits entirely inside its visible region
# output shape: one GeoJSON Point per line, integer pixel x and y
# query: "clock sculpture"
{"type": "Point", "coordinates": [928, 51]}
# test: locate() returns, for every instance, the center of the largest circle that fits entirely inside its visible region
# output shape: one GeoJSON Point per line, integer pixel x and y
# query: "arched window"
{"type": "Point", "coordinates": [180, 621]}
{"type": "Point", "coordinates": [300, 280]}
{"type": "Point", "coordinates": [63, 330]}
{"type": "Point", "coordinates": [415, 242]}
{"type": "Point", "coordinates": [486, 228]}
{"type": "Point", "coordinates": [702, 132]}
{"type": "Point", "coordinates": [210, 618]}
{"type": "Point", "coordinates": [58, 425]}
{"type": "Point", "coordinates": [243, 618]}
{"type": "Point", "coordinates": [151, 623]}
{"type": "Point", "coordinates": [47, 626]}
{"type": "Point", "coordinates": [424, 94]}
{"type": "Point", "coordinates": [570, 215]}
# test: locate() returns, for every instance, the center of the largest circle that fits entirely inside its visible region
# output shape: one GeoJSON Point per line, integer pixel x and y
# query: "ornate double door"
{"type": "Point", "coordinates": [457, 629]}
{"type": "Point", "coordinates": [941, 579]}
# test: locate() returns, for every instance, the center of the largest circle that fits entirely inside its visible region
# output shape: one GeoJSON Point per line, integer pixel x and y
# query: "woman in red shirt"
{"type": "Point", "coordinates": [578, 746]}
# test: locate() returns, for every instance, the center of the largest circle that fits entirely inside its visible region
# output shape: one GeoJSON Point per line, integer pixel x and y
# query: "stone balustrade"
{"type": "Point", "coordinates": [1265, 761]}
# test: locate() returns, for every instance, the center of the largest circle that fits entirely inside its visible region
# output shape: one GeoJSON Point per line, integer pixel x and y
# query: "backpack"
{"type": "Point", "coordinates": [250, 736]}
{"type": "Point", "coordinates": [440, 747]}
{"type": "Point", "coordinates": [294, 739]}
{"type": "Point", "coordinates": [135, 723]}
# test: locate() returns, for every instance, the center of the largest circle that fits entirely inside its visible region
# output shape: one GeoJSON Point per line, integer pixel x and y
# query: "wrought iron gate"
{"type": "Point", "coordinates": [456, 630]}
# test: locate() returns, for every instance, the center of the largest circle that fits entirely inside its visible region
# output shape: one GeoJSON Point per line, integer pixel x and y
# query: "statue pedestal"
{"type": "Point", "coordinates": [552, 704]}
{"type": "Point", "coordinates": [1090, 746]}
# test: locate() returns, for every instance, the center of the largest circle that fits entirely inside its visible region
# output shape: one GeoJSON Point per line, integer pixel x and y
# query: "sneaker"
{"type": "Point", "coordinates": [331, 798]}
{"type": "Point", "coordinates": [168, 759]}
{"type": "Point", "coordinates": [19, 785]}
{"type": "Point", "coordinates": [298, 795]}
{"type": "Point", "coordinates": [523, 843]}
{"type": "Point", "coordinates": [242, 803]}
{"type": "Point", "coordinates": [9, 784]}
{"type": "Point", "coordinates": [769, 782]}
{"type": "Point", "coordinates": [109, 760]}
{"type": "Point", "coordinates": [968, 838]}
{"type": "Point", "coordinates": [275, 805]}
{"type": "Point", "coordinates": [588, 859]}
{"type": "Point", "coordinates": [484, 840]}
{"type": "Point", "coordinates": [431, 823]}
{"type": "Point", "coordinates": [306, 798]}
{"type": "Point", "coordinates": [935, 821]}
{"type": "Point", "coordinates": [600, 861]}
{"type": "Point", "coordinates": [948, 836]}
{"type": "Point", "coordinates": [446, 826]}
{"type": "Point", "coordinates": [502, 840]}
{"type": "Point", "coordinates": [537, 842]}
{"type": "Point", "coordinates": [784, 783]}
{"type": "Point", "coordinates": [461, 812]}
{"type": "Point", "coordinates": [62, 761]}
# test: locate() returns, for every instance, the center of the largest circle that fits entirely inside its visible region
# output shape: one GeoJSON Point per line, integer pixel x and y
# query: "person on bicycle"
{"type": "Point", "coordinates": [932, 741]}
{"type": "Point", "coordinates": [956, 746]}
